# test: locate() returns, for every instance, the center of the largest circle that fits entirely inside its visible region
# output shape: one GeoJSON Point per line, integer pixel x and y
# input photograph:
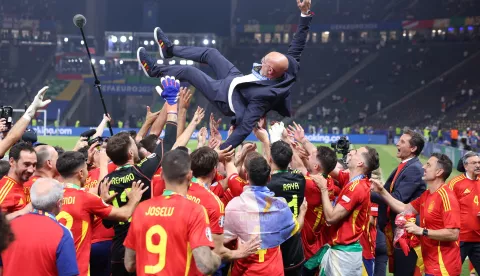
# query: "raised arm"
{"type": "Point", "coordinates": [183, 139]}
{"type": "Point", "coordinates": [101, 126]}
{"type": "Point", "coordinates": [149, 119]}
{"type": "Point", "coordinates": [300, 39]}
{"type": "Point", "coordinates": [184, 98]}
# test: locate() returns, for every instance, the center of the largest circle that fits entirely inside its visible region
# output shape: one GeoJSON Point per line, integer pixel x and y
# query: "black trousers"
{"type": "Point", "coordinates": [118, 269]}
{"type": "Point", "coordinates": [472, 250]}
{"type": "Point", "coordinates": [212, 89]}
{"type": "Point", "coordinates": [381, 257]}
{"type": "Point", "coordinates": [404, 265]}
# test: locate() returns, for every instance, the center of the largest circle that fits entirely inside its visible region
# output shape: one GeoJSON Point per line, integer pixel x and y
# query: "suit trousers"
{"type": "Point", "coordinates": [210, 88]}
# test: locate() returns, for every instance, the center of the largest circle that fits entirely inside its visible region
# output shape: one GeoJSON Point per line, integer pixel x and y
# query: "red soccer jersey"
{"type": "Point", "coordinates": [355, 198]}
{"type": "Point", "coordinates": [369, 237]}
{"type": "Point", "coordinates": [164, 231]}
{"type": "Point", "coordinates": [78, 210]}
{"type": "Point", "coordinates": [12, 195]}
{"type": "Point", "coordinates": [158, 184]}
{"type": "Point", "coordinates": [28, 185]}
{"type": "Point", "coordinates": [313, 236]}
{"type": "Point", "coordinates": [216, 186]}
{"type": "Point", "coordinates": [439, 210]}
{"type": "Point", "coordinates": [467, 194]}
{"type": "Point", "coordinates": [264, 262]}
{"type": "Point", "coordinates": [92, 178]}
{"type": "Point", "coordinates": [236, 184]}
{"type": "Point", "coordinates": [214, 206]}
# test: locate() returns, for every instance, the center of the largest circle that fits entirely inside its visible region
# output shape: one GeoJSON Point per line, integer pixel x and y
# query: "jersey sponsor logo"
{"type": "Point", "coordinates": [221, 221]}
{"type": "Point", "coordinates": [431, 206]}
{"type": "Point", "coordinates": [208, 233]}
{"type": "Point", "coordinates": [124, 179]}
{"type": "Point", "coordinates": [345, 198]}
{"type": "Point", "coordinates": [291, 186]}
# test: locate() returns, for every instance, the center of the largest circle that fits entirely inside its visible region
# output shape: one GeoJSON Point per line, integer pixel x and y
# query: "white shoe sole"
{"type": "Point", "coordinates": [156, 40]}
{"type": "Point", "coordinates": [140, 62]}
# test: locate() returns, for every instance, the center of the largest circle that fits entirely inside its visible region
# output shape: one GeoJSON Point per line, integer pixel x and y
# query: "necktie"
{"type": "Point", "coordinates": [399, 169]}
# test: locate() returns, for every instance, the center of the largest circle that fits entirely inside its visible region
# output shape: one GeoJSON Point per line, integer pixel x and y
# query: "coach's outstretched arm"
{"type": "Point", "coordinates": [297, 45]}
{"type": "Point", "coordinates": [19, 127]}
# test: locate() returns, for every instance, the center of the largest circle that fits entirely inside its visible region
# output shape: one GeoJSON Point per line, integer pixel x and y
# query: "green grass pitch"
{"type": "Point", "coordinates": [387, 153]}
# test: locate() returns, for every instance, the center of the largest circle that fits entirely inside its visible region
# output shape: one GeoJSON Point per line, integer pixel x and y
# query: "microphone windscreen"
{"type": "Point", "coordinates": [79, 20]}
{"type": "Point", "coordinates": [88, 133]}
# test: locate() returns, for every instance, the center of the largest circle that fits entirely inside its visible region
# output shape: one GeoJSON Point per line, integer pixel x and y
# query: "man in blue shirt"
{"type": "Point", "coordinates": [42, 246]}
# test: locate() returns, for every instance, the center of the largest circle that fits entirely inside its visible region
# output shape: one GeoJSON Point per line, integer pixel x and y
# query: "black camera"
{"type": "Point", "coordinates": [342, 146]}
{"type": "Point", "coordinates": [6, 112]}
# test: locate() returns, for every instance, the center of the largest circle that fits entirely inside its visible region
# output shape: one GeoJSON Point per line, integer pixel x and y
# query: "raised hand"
{"type": "Point", "coordinates": [38, 102]}
{"type": "Point", "coordinates": [151, 116]}
{"type": "Point", "coordinates": [261, 134]}
{"type": "Point", "coordinates": [304, 6]}
{"type": "Point", "coordinates": [184, 98]}
{"type": "Point", "coordinates": [202, 137]}
{"type": "Point", "coordinates": [297, 131]}
{"type": "Point", "coordinates": [214, 125]}
{"type": "Point", "coordinates": [170, 90]}
{"type": "Point", "coordinates": [225, 154]}
{"type": "Point", "coordinates": [276, 131]}
{"type": "Point", "coordinates": [199, 114]}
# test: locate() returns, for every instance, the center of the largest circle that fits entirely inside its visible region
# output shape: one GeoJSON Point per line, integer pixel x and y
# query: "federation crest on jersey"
{"type": "Point", "coordinates": [221, 221]}
{"type": "Point", "coordinates": [208, 233]}
{"type": "Point", "coordinates": [430, 207]}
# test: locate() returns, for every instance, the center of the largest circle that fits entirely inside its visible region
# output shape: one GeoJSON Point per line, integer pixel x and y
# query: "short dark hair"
{"type": "Point", "coordinates": [416, 140]}
{"type": "Point", "coordinates": [258, 171]}
{"type": "Point", "coordinates": [59, 149]}
{"type": "Point", "coordinates": [69, 162]}
{"type": "Point", "coordinates": [149, 143]}
{"type": "Point", "coordinates": [4, 167]}
{"type": "Point", "coordinates": [18, 148]}
{"type": "Point", "coordinates": [444, 163]}
{"type": "Point", "coordinates": [43, 155]}
{"type": "Point", "coordinates": [204, 161]}
{"type": "Point", "coordinates": [327, 158]}
{"type": "Point", "coordinates": [281, 154]}
{"type": "Point", "coordinates": [249, 157]}
{"type": "Point", "coordinates": [117, 148]}
{"type": "Point", "coordinates": [175, 165]}
{"type": "Point", "coordinates": [183, 148]}
{"type": "Point", "coordinates": [372, 160]}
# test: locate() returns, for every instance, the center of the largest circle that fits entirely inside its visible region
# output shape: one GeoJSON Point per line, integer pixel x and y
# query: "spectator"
{"type": "Point", "coordinates": [49, 245]}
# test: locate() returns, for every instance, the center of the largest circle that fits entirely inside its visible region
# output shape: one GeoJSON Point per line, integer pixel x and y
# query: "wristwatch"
{"type": "Point", "coordinates": [425, 232]}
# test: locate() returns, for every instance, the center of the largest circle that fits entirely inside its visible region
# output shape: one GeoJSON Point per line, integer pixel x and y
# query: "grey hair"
{"type": "Point", "coordinates": [468, 155]}
{"type": "Point", "coordinates": [46, 199]}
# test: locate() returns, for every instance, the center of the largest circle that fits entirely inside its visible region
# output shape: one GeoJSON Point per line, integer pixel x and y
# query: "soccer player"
{"type": "Point", "coordinates": [42, 246]}
{"type": "Point", "coordinates": [467, 190]}
{"type": "Point", "coordinates": [257, 212]}
{"type": "Point", "coordinates": [348, 217]}
{"type": "Point", "coordinates": [439, 218]}
{"type": "Point", "coordinates": [314, 236]}
{"type": "Point", "coordinates": [167, 230]}
{"type": "Point", "coordinates": [123, 151]}
{"type": "Point", "coordinates": [80, 206]}
{"type": "Point", "coordinates": [203, 163]}
{"type": "Point", "coordinates": [23, 160]}
{"type": "Point", "coordinates": [46, 167]}
{"type": "Point", "coordinates": [290, 185]}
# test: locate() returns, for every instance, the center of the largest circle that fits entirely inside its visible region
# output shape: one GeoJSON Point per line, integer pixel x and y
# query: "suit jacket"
{"type": "Point", "coordinates": [407, 187]}
{"type": "Point", "coordinates": [253, 100]}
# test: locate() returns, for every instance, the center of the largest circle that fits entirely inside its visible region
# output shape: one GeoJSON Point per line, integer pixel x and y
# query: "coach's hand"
{"type": "Point", "coordinates": [135, 194]}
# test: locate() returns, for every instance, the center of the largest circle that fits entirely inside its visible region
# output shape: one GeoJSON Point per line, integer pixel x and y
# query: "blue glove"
{"type": "Point", "coordinates": [170, 90]}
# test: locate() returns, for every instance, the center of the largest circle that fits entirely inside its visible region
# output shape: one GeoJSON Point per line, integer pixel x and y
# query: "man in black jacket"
{"type": "Point", "coordinates": [246, 97]}
{"type": "Point", "coordinates": [405, 184]}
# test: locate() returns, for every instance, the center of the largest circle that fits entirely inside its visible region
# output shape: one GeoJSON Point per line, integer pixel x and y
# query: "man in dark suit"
{"type": "Point", "coordinates": [405, 184]}
{"type": "Point", "coordinates": [246, 97]}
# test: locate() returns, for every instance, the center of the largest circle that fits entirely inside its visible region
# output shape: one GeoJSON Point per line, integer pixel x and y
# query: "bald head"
{"type": "Point", "coordinates": [46, 195]}
{"type": "Point", "coordinates": [274, 65]}
{"type": "Point", "coordinates": [46, 158]}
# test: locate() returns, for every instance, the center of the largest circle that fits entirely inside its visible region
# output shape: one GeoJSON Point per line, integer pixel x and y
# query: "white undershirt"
{"type": "Point", "coordinates": [406, 160]}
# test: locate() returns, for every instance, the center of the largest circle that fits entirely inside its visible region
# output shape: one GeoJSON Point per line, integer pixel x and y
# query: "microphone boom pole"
{"type": "Point", "coordinates": [80, 23]}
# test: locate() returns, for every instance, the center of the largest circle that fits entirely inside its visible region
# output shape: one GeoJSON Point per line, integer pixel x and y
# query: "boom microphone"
{"type": "Point", "coordinates": [88, 133]}
{"type": "Point", "coordinates": [79, 20]}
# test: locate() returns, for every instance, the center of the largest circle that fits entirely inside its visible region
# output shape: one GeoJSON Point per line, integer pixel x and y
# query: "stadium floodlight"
{"type": "Point", "coordinates": [213, 41]}
{"type": "Point", "coordinates": [130, 38]}
{"type": "Point", "coordinates": [82, 42]}
{"type": "Point", "coordinates": [183, 62]}
{"type": "Point", "coordinates": [159, 61]}
{"type": "Point", "coordinates": [102, 62]}
{"type": "Point", "coordinates": [205, 42]}
{"type": "Point", "coordinates": [189, 62]}
{"type": "Point", "coordinates": [93, 61]}
{"type": "Point", "coordinates": [470, 28]}
{"type": "Point", "coordinates": [65, 39]}
{"type": "Point", "coordinates": [145, 42]}
{"type": "Point", "coordinates": [114, 39]}
{"type": "Point", "coordinates": [80, 60]}
{"type": "Point", "coordinates": [123, 39]}
{"type": "Point", "coordinates": [151, 42]}
{"type": "Point", "coordinates": [172, 62]}
{"type": "Point", "coordinates": [433, 31]}
{"type": "Point", "coordinates": [121, 62]}
{"type": "Point", "coordinates": [176, 42]}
